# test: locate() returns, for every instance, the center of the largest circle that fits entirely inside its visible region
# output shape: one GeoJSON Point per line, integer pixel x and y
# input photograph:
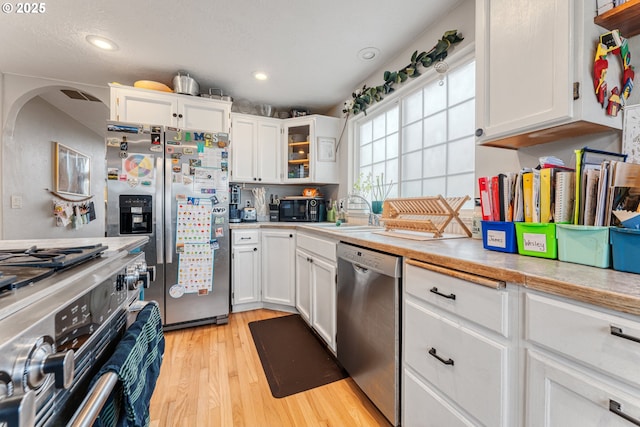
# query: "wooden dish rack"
{"type": "Point", "coordinates": [429, 214]}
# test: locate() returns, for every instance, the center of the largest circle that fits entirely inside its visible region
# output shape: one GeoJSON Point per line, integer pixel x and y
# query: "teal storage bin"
{"type": "Point", "coordinates": [625, 247]}
{"type": "Point", "coordinates": [499, 236]}
{"type": "Point", "coordinates": [537, 239]}
{"type": "Point", "coordinates": [584, 244]}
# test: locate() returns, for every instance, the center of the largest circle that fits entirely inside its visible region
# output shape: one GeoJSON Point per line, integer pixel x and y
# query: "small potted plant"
{"type": "Point", "coordinates": [379, 192]}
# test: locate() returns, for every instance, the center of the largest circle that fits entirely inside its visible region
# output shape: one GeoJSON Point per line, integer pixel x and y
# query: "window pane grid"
{"type": "Point", "coordinates": [428, 136]}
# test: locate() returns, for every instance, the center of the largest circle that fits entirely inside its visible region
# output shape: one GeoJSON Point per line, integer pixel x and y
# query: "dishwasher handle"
{"type": "Point", "coordinates": [360, 269]}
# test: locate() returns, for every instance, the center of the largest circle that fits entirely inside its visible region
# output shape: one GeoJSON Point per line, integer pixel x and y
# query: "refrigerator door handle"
{"type": "Point", "coordinates": [159, 223]}
{"type": "Point", "coordinates": [168, 221]}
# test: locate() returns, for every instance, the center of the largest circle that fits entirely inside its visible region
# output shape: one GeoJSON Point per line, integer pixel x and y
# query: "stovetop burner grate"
{"type": "Point", "coordinates": [49, 257]}
{"type": "Point", "coordinates": [21, 267]}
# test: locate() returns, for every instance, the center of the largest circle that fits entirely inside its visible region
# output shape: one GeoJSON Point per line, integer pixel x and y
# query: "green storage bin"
{"type": "Point", "coordinates": [537, 239]}
{"type": "Point", "coordinates": [584, 244]}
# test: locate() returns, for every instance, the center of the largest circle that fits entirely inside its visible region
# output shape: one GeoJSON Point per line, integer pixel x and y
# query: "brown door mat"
{"type": "Point", "coordinates": [292, 357]}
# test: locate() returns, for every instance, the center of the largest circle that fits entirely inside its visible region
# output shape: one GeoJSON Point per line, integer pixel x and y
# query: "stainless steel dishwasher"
{"type": "Point", "coordinates": [368, 324]}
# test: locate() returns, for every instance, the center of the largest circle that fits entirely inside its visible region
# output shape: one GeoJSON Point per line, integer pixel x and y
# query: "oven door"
{"type": "Point", "coordinates": [147, 333]}
{"type": "Point", "coordinates": [294, 210]}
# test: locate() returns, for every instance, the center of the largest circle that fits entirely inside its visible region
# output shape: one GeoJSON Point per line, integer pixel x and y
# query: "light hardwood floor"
{"type": "Point", "coordinates": [211, 376]}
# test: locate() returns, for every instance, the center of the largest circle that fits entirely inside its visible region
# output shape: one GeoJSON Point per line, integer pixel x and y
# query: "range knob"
{"type": "Point", "coordinates": [141, 266]}
{"type": "Point", "coordinates": [6, 385]}
{"type": "Point", "coordinates": [128, 280]}
{"type": "Point", "coordinates": [42, 361]}
{"type": "Point", "coordinates": [18, 410]}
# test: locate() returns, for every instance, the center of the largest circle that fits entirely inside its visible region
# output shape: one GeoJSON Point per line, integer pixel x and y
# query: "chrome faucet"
{"type": "Point", "coordinates": [373, 218]}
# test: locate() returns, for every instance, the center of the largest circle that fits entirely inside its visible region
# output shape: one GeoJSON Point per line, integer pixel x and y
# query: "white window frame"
{"type": "Point", "coordinates": [406, 89]}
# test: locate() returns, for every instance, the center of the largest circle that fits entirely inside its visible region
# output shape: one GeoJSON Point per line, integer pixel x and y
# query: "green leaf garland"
{"type": "Point", "coordinates": [369, 95]}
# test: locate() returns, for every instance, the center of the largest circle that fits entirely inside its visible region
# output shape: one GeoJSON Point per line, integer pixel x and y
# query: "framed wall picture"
{"type": "Point", "coordinates": [72, 171]}
{"type": "Point", "coordinates": [326, 149]}
{"type": "Point", "coordinates": [631, 133]}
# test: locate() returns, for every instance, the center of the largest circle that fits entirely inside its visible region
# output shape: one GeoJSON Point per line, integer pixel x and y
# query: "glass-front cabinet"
{"type": "Point", "coordinates": [311, 145]}
{"type": "Point", "coordinates": [297, 138]}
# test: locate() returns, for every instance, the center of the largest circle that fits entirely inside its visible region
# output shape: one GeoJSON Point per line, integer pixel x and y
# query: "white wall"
{"type": "Point", "coordinates": [27, 171]}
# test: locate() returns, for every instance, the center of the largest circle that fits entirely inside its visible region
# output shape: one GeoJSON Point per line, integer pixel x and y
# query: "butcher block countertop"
{"type": "Point", "coordinates": [603, 287]}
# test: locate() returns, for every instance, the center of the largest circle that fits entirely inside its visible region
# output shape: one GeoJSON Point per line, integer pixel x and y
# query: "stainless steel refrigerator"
{"type": "Point", "coordinates": [172, 185]}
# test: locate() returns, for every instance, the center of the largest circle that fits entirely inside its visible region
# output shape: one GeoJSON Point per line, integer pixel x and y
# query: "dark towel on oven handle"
{"type": "Point", "coordinates": [136, 361]}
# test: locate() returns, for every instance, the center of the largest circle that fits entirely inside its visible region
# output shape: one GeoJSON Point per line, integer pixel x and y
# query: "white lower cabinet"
{"type": "Point", "coordinates": [582, 364]}
{"type": "Point", "coordinates": [278, 267]}
{"type": "Point", "coordinates": [263, 269]}
{"type": "Point", "coordinates": [323, 300]}
{"type": "Point", "coordinates": [467, 367]}
{"type": "Point", "coordinates": [559, 395]}
{"type": "Point", "coordinates": [245, 269]}
{"type": "Point", "coordinates": [303, 284]}
{"type": "Point", "coordinates": [316, 287]}
{"type": "Point", "coordinates": [459, 359]}
{"type": "Point", "coordinates": [426, 408]}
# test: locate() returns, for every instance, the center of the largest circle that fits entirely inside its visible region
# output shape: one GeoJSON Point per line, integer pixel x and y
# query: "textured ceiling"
{"type": "Point", "coordinates": [309, 48]}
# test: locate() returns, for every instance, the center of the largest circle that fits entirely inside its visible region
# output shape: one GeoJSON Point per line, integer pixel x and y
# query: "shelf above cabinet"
{"type": "Point", "coordinates": [295, 144]}
{"type": "Point", "coordinates": [298, 161]}
{"type": "Point", "coordinates": [625, 18]}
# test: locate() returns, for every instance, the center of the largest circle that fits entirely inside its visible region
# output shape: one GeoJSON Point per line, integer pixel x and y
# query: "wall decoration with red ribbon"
{"type": "Point", "coordinates": [612, 42]}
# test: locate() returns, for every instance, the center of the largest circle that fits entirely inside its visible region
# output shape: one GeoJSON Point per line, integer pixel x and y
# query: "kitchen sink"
{"type": "Point", "coordinates": [346, 227]}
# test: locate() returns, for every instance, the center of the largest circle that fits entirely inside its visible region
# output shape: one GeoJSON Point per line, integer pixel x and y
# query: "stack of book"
{"type": "Point", "coordinates": [594, 193]}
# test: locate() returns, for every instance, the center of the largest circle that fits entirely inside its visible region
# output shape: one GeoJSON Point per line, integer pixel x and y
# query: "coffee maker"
{"type": "Point", "coordinates": [234, 203]}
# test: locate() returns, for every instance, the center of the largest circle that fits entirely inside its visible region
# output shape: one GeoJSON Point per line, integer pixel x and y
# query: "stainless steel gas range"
{"type": "Point", "coordinates": [59, 326]}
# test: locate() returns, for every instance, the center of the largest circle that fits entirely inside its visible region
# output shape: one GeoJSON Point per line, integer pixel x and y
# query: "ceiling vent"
{"type": "Point", "coordinates": [74, 94]}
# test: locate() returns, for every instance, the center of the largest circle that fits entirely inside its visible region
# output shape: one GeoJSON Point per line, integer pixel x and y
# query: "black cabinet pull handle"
{"type": "Point", "coordinates": [290, 235]}
{"type": "Point", "coordinates": [434, 290]}
{"type": "Point", "coordinates": [616, 408]}
{"type": "Point", "coordinates": [179, 116]}
{"type": "Point", "coordinates": [433, 352]}
{"type": "Point", "coordinates": [174, 115]}
{"type": "Point", "coordinates": [618, 332]}
{"type": "Point", "coordinates": [255, 249]}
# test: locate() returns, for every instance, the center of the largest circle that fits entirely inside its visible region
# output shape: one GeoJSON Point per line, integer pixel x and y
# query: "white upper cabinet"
{"type": "Point", "coordinates": [534, 61]}
{"type": "Point", "coordinates": [255, 149]}
{"type": "Point", "coordinates": [292, 151]}
{"type": "Point", "coordinates": [311, 150]}
{"type": "Point", "coordinates": [135, 105]}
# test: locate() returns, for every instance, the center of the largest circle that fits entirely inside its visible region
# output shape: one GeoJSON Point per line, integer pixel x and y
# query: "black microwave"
{"type": "Point", "coordinates": [302, 209]}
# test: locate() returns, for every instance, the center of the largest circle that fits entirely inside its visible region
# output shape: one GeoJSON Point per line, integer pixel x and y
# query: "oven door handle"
{"type": "Point", "coordinates": [92, 404]}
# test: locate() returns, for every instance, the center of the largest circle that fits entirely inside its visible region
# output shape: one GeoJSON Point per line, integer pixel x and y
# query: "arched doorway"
{"type": "Point", "coordinates": [36, 117]}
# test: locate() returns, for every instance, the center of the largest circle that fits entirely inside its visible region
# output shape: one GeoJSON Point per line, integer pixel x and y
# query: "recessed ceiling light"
{"type": "Point", "coordinates": [101, 42]}
{"type": "Point", "coordinates": [259, 75]}
{"type": "Point", "coordinates": [368, 53]}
